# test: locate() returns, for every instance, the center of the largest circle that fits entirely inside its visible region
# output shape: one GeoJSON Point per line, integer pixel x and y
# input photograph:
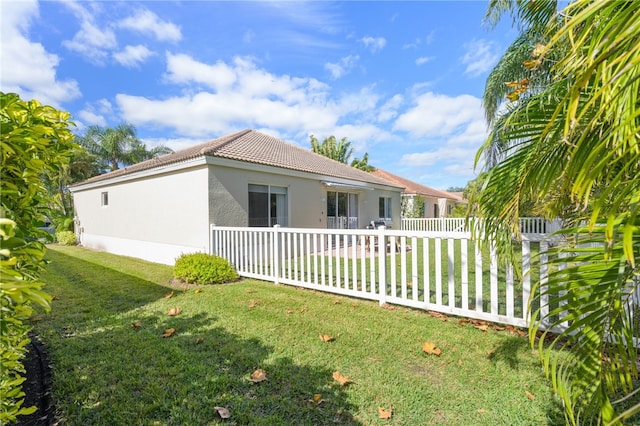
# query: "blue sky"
{"type": "Point", "coordinates": [402, 81]}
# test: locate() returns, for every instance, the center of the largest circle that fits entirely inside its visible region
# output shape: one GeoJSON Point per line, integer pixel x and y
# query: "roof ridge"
{"type": "Point", "coordinates": [210, 150]}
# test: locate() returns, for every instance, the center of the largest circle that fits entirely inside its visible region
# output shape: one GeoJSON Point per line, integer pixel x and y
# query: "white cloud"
{"type": "Point", "coordinates": [224, 97]}
{"type": "Point", "coordinates": [436, 115]}
{"type": "Point", "coordinates": [96, 113]}
{"type": "Point", "coordinates": [389, 110]}
{"type": "Point", "coordinates": [451, 128]}
{"type": "Point", "coordinates": [183, 69]}
{"type": "Point", "coordinates": [374, 44]}
{"type": "Point", "coordinates": [343, 67]}
{"type": "Point", "coordinates": [424, 59]}
{"type": "Point", "coordinates": [32, 73]}
{"type": "Point", "coordinates": [480, 57]}
{"type": "Point", "coordinates": [91, 41]}
{"type": "Point", "coordinates": [91, 118]}
{"type": "Point", "coordinates": [146, 22]}
{"type": "Point", "coordinates": [133, 56]}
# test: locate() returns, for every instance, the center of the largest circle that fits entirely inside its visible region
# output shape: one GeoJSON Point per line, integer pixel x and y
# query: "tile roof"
{"type": "Point", "coordinates": [254, 147]}
{"type": "Point", "coordinates": [411, 187]}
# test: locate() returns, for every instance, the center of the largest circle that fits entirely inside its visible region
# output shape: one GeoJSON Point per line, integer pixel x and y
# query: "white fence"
{"type": "Point", "coordinates": [439, 271]}
{"type": "Point", "coordinates": [528, 225]}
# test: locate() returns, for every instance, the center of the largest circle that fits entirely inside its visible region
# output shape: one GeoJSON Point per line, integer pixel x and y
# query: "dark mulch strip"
{"type": "Point", "coordinates": [37, 386]}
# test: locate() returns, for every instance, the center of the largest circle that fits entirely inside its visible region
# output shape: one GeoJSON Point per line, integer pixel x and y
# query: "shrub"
{"type": "Point", "coordinates": [66, 238]}
{"type": "Point", "coordinates": [36, 141]}
{"type": "Point", "coordinates": [202, 268]}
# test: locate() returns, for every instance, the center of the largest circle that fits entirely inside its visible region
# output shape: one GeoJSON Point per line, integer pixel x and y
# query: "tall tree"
{"type": "Point", "coordinates": [340, 151]}
{"type": "Point", "coordinates": [572, 144]}
{"type": "Point", "coordinates": [117, 146]}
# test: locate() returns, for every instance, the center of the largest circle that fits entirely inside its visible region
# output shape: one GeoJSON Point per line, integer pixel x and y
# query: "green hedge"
{"type": "Point", "coordinates": [202, 268]}
{"type": "Point", "coordinates": [66, 238]}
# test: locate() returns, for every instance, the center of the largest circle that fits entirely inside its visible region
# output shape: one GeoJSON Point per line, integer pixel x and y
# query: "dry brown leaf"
{"type": "Point", "coordinates": [326, 338]}
{"type": "Point", "coordinates": [336, 302]}
{"type": "Point", "coordinates": [173, 311]}
{"type": "Point", "coordinates": [431, 349]}
{"type": "Point", "coordinates": [197, 291]}
{"type": "Point", "coordinates": [338, 377]}
{"type": "Point", "coordinates": [410, 284]}
{"type": "Point", "coordinates": [250, 291]}
{"type": "Point", "coordinates": [199, 340]}
{"type": "Point", "coordinates": [253, 303]}
{"type": "Point", "coordinates": [482, 327]}
{"type": "Point", "coordinates": [481, 410]}
{"type": "Point", "coordinates": [258, 376]}
{"type": "Point", "coordinates": [136, 324]}
{"type": "Point", "coordinates": [168, 295]}
{"type": "Point", "coordinates": [491, 352]}
{"type": "Point", "coordinates": [169, 332]}
{"type": "Point", "coordinates": [383, 413]}
{"type": "Point", "coordinates": [440, 316]}
{"type": "Point", "coordinates": [223, 412]}
{"type": "Point", "coordinates": [289, 311]}
{"type": "Point", "coordinates": [530, 395]}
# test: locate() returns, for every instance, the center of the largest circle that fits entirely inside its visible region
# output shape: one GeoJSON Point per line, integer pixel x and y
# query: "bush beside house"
{"type": "Point", "coordinates": [202, 268]}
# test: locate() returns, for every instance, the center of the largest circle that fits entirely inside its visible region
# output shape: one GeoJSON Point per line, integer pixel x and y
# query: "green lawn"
{"type": "Point", "coordinates": [107, 371]}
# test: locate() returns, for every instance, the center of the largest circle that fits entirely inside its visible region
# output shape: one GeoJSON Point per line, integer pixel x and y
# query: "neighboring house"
{"type": "Point", "coordinates": [436, 203]}
{"type": "Point", "coordinates": [163, 207]}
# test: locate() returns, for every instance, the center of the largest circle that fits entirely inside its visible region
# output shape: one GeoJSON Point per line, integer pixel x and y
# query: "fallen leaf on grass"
{"type": "Point", "coordinates": [136, 324]}
{"type": "Point", "coordinates": [342, 380]}
{"type": "Point", "coordinates": [168, 295]}
{"type": "Point", "coordinates": [317, 399]}
{"type": "Point", "coordinates": [168, 332]}
{"type": "Point", "coordinates": [336, 302]}
{"type": "Point", "coordinates": [383, 413]}
{"type": "Point", "coordinates": [431, 349]}
{"type": "Point", "coordinates": [253, 303]}
{"type": "Point", "coordinates": [481, 410]}
{"type": "Point", "coordinates": [199, 340]}
{"type": "Point", "coordinates": [172, 312]}
{"type": "Point", "coordinates": [258, 376]}
{"type": "Point", "coordinates": [197, 291]}
{"type": "Point", "coordinates": [491, 352]}
{"type": "Point", "coordinates": [482, 327]}
{"type": "Point", "coordinates": [530, 395]}
{"type": "Point", "coordinates": [326, 338]}
{"type": "Point", "coordinates": [250, 291]}
{"type": "Point", "coordinates": [223, 412]}
{"type": "Point", "coordinates": [442, 317]}
{"type": "Point", "coordinates": [289, 311]}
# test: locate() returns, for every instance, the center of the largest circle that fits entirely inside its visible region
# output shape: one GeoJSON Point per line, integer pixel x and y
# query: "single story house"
{"type": "Point", "coordinates": [436, 203]}
{"type": "Point", "coordinates": [163, 207]}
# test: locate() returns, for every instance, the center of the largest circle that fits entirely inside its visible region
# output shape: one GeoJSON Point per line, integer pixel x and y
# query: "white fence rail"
{"type": "Point", "coordinates": [439, 271]}
{"type": "Point", "coordinates": [528, 225]}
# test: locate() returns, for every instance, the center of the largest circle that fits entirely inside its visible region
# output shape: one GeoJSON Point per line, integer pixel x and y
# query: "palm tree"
{"type": "Point", "coordinates": [116, 146]}
{"type": "Point", "coordinates": [340, 151]}
{"type": "Point", "coordinates": [572, 144]}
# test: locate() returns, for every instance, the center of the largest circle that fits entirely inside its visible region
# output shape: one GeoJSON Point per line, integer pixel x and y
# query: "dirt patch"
{"type": "Point", "coordinates": [37, 386]}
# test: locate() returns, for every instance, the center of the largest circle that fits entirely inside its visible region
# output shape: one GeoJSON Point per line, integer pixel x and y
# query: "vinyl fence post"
{"type": "Point", "coordinates": [275, 252]}
{"type": "Point", "coordinates": [382, 265]}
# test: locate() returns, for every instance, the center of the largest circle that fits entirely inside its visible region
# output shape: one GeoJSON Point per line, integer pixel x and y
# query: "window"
{"type": "Point", "coordinates": [436, 210]}
{"type": "Point", "coordinates": [267, 205]}
{"type": "Point", "coordinates": [385, 208]}
{"type": "Point", "coordinates": [342, 210]}
{"type": "Point", "coordinates": [104, 199]}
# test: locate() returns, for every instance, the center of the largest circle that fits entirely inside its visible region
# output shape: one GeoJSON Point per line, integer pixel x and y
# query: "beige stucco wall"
{"type": "Point", "coordinates": [228, 197]}
{"type": "Point", "coordinates": [147, 214]}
